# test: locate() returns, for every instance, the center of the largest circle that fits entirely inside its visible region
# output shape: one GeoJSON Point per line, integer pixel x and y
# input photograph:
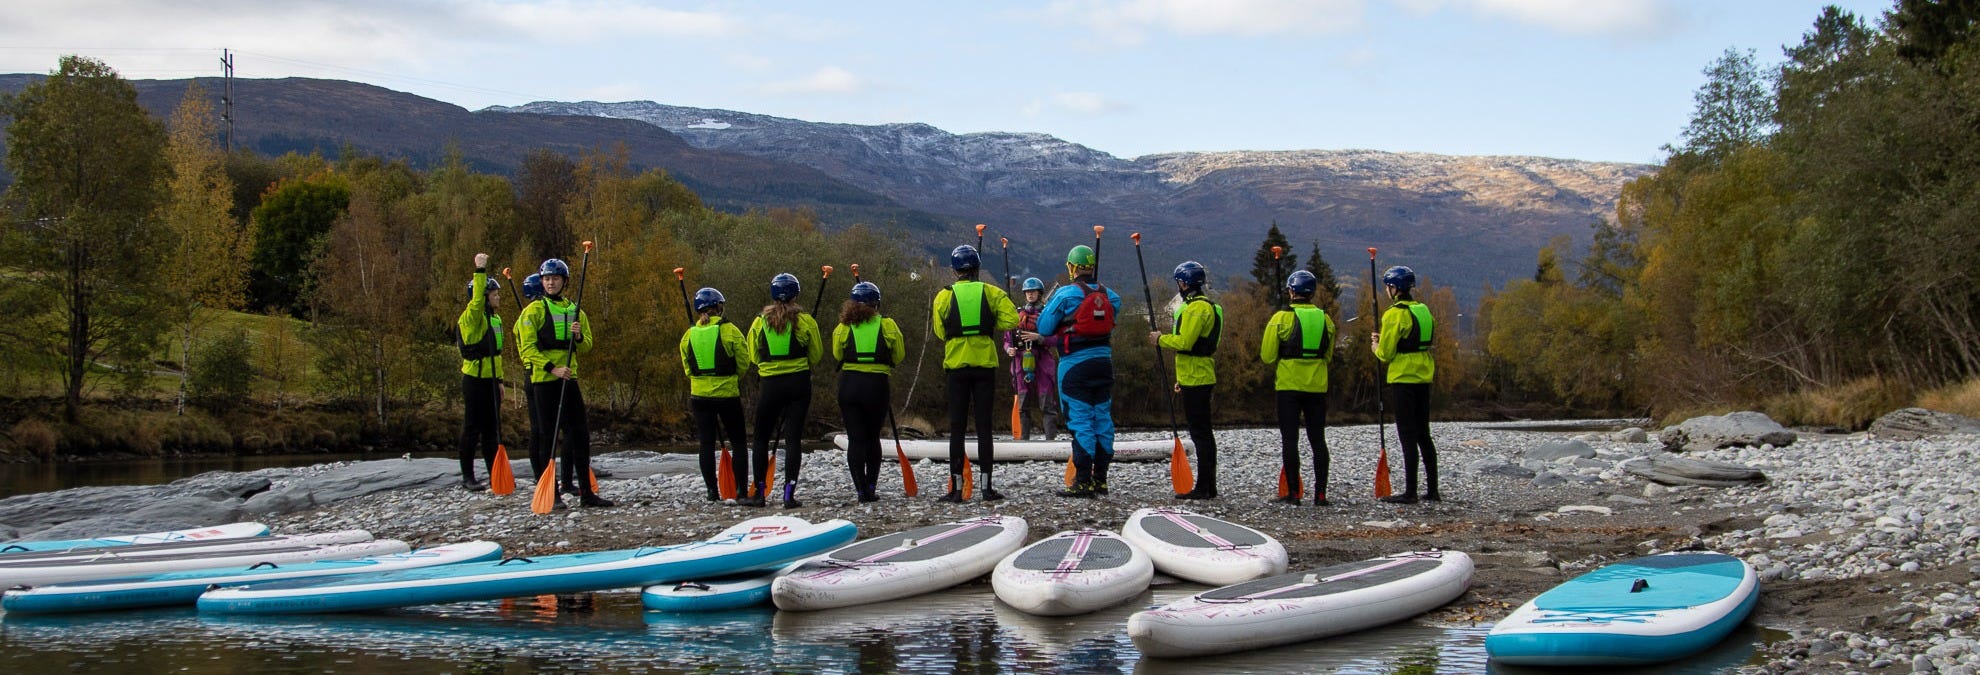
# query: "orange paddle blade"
{"type": "Point", "coordinates": [594, 480]}
{"type": "Point", "coordinates": [1017, 418]}
{"type": "Point", "coordinates": [1382, 488]}
{"type": "Point", "coordinates": [1284, 489]}
{"type": "Point", "coordinates": [907, 471]}
{"type": "Point", "coordinates": [1071, 472]}
{"type": "Point", "coordinates": [769, 475]}
{"type": "Point", "coordinates": [969, 479]}
{"type": "Point", "coordinates": [1180, 476]}
{"type": "Point", "coordinates": [501, 479]}
{"type": "Point", "coordinates": [546, 490]}
{"type": "Point", "coordinates": [725, 475]}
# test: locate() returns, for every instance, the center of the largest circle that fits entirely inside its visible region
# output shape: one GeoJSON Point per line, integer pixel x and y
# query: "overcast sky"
{"type": "Point", "coordinates": [1583, 79]}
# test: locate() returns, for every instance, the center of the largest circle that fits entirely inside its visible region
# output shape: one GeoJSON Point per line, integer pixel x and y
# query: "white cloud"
{"type": "Point", "coordinates": [1085, 103]}
{"type": "Point", "coordinates": [825, 80]}
{"type": "Point", "coordinates": [1131, 21]}
{"type": "Point", "coordinates": [1615, 18]}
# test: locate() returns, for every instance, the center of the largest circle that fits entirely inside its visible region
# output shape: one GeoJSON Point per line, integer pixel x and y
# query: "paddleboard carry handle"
{"type": "Point", "coordinates": [12, 548]}
{"type": "Point", "coordinates": [262, 564]}
{"type": "Point", "coordinates": [1638, 585]}
{"type": "Point", "coordinates": [696, 585]}
{"type": "Point", "coordinates": [522, 559]}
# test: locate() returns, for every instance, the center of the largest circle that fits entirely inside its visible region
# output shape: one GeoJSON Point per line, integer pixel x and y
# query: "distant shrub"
{"type": "Point", "coordinates": [35, 437]}
{"type": "Point", "coordinates": [1959, 399]}
{"type": "Point", "coordinates": [1850, 405]}
{"type": "Point", "coordinates": [223, 371]}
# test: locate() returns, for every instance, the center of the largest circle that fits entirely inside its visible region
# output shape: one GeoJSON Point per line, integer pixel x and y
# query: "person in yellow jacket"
{"type": "Point", "coordinates": [867, 347]}
{"type": "Point", "coordinates": [1404, 344]}
{"type": "Point", "coordinates": [480, 331]}
{"type": "Point", "coordinates": [551, 332]}
{"type": "Point", "coordinates": [714, 355]}
{"type": "Point", "coordinates": [968, 315]}
{"type": "Point", "coordinates": [1301, 341]}
{"type": "Point", "coordinates": [784, 344]}
{"type": "Point", "coordinates": [1198, 327]}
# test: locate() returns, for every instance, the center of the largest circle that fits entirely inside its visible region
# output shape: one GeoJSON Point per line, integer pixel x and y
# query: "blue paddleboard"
{"type": "Point", "coordinates": [1640, 611]}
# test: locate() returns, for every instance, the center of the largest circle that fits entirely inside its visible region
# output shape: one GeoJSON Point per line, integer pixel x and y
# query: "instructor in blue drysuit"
{"type": "Point", "coordinates": [1079, 321]}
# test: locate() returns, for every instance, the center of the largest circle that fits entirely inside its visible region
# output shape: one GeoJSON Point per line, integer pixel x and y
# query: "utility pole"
{"type": "Point", "coordinates": [227, 95]}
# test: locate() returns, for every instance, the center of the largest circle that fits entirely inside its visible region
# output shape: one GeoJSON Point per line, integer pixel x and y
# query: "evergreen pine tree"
{"type": "Point", "coordinates": [1270, 275]}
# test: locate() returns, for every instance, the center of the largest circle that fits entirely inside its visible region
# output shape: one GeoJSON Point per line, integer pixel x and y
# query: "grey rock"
{"type": "Point", "coordinates": [1907, 424]}
{"type": "Point", "coordinates": [1496, 466]}
{"type": "Point", "coordinates": [1678, 470]}
{"type": "Point", "coordinates": [354, 480]}
{"type": "Point", "coordinates": [643, 464]}
{"type": "Point", "coordinates": [1548, 479]}
{"type": "Point", "coordinates": [207, 499]}
{"type": "Point", "coordinates": [1740, 429]}
{"type": "Point", "coordinates": [1632, 435]}
{"type": "Point", "coordinates": [1555, 451]}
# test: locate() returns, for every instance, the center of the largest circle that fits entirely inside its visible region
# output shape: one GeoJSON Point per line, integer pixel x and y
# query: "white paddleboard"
{"type": "Point", "coordinates": [1203, 549]}
{"type": "Point", "coordinates": [1157, 450]}
{"type": "Point", "coordinates": [228, 531]}
{"type": "Point", "coordinates": [1072, 572]}
{"type": "Point", "coordinates": [180, 548]}
{"type": "Point", "coordinates": [899, 565]}
{"type": "Point", "coordinates": [116, 567]}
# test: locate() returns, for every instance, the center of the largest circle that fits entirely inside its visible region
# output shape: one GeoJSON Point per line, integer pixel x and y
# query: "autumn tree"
{"type": "Point", "coordinates": [207, 268]}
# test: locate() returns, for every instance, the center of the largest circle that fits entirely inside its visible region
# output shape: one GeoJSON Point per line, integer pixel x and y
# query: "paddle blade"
{"type": "Point", "coordinates": [907, 472]}
{"type": "Point", "coordinates": [769, 476]}
{"type": "Point", "coordinates": [546, 490]}
{"type": "Point", "coordinates": [1382, 488]}
{"type": "Point", "coordinates": [1017, 419]}
{"type": "Point", "coordinates": [594, 480]}
{"type": "Point", "coordinates": [501, 479]}
{"type": "Point", "coordinates": [1284, 489]}
{"type": "Point", "coordinates": [725, 475]}
{"type": "Point", "coordinates": [1071, 472]}
{"type": "Point", "coordinates": [969, 479]}
{"type": "Point", "coordinates": [1180, 476]}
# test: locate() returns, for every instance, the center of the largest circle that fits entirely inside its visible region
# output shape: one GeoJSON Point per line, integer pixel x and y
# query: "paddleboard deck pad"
{"type": "Point", "coordinates": [1072, 573]}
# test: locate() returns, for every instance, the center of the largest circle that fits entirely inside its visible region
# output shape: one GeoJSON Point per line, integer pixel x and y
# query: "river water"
{"type": "Point", "coordinates": [961, 630]}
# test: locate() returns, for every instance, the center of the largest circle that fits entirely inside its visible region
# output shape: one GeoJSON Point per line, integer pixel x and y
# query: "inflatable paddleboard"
{"type": "Point", "coordinates": [1157, 450]}
{"type": "Point", "coordinates": [1641, 611]}
{"type": "Point", "coordinates": [899, 565]}
{"type": "Point", "coordinates": [14, 575]}
{"type": "Point", "coordinates": [753, 544]}
{"type": "Point", "coordinates": [183, 588]}
{"type": "Point", "coordinates": [1072, 573]}
{"type": "Point", "coordinates": [181, 548]}
{"type": "Point", "coordinates": [1303, 606]}
{"type": "Point", "coordinates": [710, 595]}
{"type": "Point", "coordinates": [229, 531]}
{"type": "Point", "coordinates": [1203, 549]}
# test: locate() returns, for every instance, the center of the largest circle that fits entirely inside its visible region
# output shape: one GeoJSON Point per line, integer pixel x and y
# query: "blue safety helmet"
{"type": "Point", "coordinates": [784, 287]}
{"type": "Point", "coordinates": [708, 298]}
{"type": "Point", "coordinates": [1302, 283]}
{"type": "Point", "coordinates": [964, 258]}
{"type": "Point", "coordinates": [866, 293]}
{"type": "Point", "coordinates": [1033, 284]}
{"type": "Point", "coordinates": [554, 266]}
{"type": "Point", "coordinates": [493, 285]}
{"type": "Point", "coordinates": [1402, 278]}
{"type": "Point", "coordinates": [1191, 274]}
{"type": "Point", "coordinates": [532, 287]}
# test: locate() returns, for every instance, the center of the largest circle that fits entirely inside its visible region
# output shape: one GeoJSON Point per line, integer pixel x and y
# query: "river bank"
{"type": "Point", "coordinates": [1863, 543]}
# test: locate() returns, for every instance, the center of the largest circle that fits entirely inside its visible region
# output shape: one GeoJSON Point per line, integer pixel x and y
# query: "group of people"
{"type": "Point", "coordinates": [1060, 361]}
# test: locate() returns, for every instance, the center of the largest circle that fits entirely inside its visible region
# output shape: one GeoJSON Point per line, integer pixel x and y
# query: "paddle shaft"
{"type": "Point", "coordinates": [1148, 296]}
{"type": "Point", "coordinates": [1381, 436]}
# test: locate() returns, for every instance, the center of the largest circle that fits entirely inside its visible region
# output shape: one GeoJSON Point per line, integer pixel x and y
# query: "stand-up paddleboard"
{"type": "Point", "coordinates": [899, 565]}
{"type": "Point", "coordinates": [229, 531]}
{"type": "Point", "coordinates": [1157, 450]}
{"type": "Point", "coordinates": [1640, 611]}
{"type": "Point", "coordinates": [711, 595]}
{"type": "Point", "coordinates": [183, 588]}
{"type": "Point", "coordinates": [1302, 606]}
{"type": "Point", "coordinates": [1072, 573]}
{"type": "Point", "coordinates": [753, 544]}
{"type": "Point", "coordinates": [1202, 549]}
{"type": "Point", "coordinates": [116, 567]}
{"type": "Point", "coordinates": [181, 548]}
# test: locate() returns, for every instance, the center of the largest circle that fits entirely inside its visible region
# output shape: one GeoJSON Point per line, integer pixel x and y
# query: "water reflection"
{"type": "Point", "coordinates": [964, 631]}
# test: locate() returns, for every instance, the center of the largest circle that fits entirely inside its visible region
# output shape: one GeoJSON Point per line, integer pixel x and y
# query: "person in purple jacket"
{"type": "Point", "coordinates": [1034, 366]}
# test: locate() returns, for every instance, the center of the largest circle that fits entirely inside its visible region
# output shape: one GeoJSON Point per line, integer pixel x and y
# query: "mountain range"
{"type": "Point", "coordinates": [1460, 220]}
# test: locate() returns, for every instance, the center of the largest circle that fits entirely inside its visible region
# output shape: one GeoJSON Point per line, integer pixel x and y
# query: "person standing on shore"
{"type": "Point", "coordinates": [480, 342]}
{"type": "Point", "coordinates": [784, 344]}
{"type": "Point", "coordinates": [1034, 366]}
{"type": "Point", "coordinates": [532, 291]}
{"type": "Point", "coordinates": [553, 331]}
{"type": "Point", "coordinates": [867, 347]}
{"type": "Point", "coordinates": [1300, 340]}
{"type": "Point", "coordinates": [1080, 319]}
{"type": "Point", "coordinates": [1198, 327]}
{"type": "Point", "coordinates": [714, 355]}
{"type": "Point", "coordinates": [1404, 344]}
{"type": "Point", "coordinates": [965, 315]}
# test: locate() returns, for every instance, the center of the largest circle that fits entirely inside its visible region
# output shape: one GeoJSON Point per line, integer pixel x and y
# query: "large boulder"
{"type": "Point", "coordinates": [1909, 424]}
{"type": "Point", "coordinates": [1552, 452]}
{"type": "Point", "coordinates": [1740, 429]}
{"type": "Point", "coordinates": [212, 498]}
{"type": "Point", "coordinates": [1493, 465]}
{"type": "Point", "coordinates": [354, 480]}
{"type": "Point", "coordinates": [1671, 469]}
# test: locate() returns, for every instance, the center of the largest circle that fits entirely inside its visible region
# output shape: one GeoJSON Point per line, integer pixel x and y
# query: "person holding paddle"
{"type": "Point", "coordinates": [784, 344]}
{"type": "Point", "coordinates": [965, 315]}
{"type": "Point", "coordinates": [867, 347]}
{"type": "Point", "coordinates": [1034, 367]}
{"type": "Point", "coordinates": [1198, 327]}
{"type": "Point", "coordinates": [552, 332]}
{"type": "Point", "coordinates": [1300, 340]}
{"type": "Point", "coordinates": [480, 342]}
{"type": "Point", "coordinates": [1404, 344]}
{"type": "Point", "coordinates": [1080, 319]}
{"type": "Point", "coordinates": [714, 354]}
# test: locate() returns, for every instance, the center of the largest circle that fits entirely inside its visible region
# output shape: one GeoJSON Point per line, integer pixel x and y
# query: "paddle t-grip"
{"type": "Point", "coordinates": [680, 274]}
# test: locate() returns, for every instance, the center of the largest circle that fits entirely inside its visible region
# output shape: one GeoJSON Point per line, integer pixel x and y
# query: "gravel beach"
{"type": "Point", "coordinates": [1868, 549]}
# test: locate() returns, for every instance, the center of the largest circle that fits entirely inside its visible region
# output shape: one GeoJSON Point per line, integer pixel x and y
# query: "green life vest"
{"type": "Point", "coordinates": [490, 343]}
{"type": "Point", "coordinates": [1309, 337]}
{"type": "Point", "coordinates": [969, 309]}
{"type": "Point", "coordinates": [555, 333]}
{"type": "Point", "coordinates": [1417, 337]}
{"type": "Point", "coordinates": [780, 345]}
{"type": "Point", "coordinates": [706, 355]}
{"type": "Point", "coordinates": [867, 344]}
{"type": "Point", "coordinates": [1206, 345]}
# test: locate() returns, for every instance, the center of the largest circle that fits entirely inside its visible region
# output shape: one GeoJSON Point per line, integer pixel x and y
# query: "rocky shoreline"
{"type": "Point", "coordinates": [1867, 546]}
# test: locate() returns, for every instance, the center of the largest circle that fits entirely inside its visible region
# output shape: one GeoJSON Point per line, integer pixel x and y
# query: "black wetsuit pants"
{"type": "Point", "coordinates": [1294, 405]}
{"type": "Point", "coordinates": [781, 406]}
{"type": "Point", "coordinates": [1413, 428]}
{"type": "Point", "coordinates": [1196, 414]}
{"type": "Point", "coordinates": [714, 418]}
{"type": "Point", "coordinates": [478, 426]}
{"type": "Point", "coordinates": [863, 402]}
